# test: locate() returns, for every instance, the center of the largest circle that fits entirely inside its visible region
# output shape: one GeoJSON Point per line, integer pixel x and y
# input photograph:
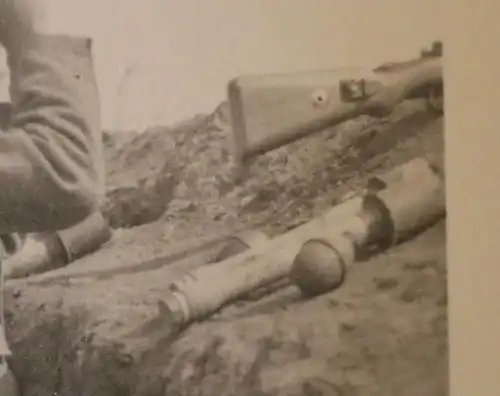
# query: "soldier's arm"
{"type": "Point", "coordinates": [51, 171]}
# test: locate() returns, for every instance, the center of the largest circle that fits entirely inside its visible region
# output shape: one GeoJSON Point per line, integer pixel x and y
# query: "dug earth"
{"type": "Point", "coordinates": [97, 328]}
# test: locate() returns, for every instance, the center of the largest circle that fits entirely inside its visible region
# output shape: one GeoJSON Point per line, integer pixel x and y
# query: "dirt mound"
{"type": "Point", "coordinates": [185, 174]}
{"type": "Point", "coordinates": [94, 328]}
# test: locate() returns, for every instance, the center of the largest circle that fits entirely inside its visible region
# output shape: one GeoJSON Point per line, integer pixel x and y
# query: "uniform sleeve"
{"type": "Point", "coordinates": [51, 167]}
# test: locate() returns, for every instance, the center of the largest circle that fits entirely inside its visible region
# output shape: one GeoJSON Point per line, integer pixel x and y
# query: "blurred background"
{"type": "Point", "coordinates": [162, 61]}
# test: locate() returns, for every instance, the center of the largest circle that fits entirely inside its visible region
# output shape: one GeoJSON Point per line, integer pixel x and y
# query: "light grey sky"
{"type": "Point", "coordinates": [181, 53]}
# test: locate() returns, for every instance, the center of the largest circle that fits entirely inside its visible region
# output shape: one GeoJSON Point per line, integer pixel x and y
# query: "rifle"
{"type": "Point", "coordinates": [271, 110]}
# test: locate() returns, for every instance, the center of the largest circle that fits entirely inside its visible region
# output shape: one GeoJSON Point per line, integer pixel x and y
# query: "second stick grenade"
{"type": "Point", "coordinates": [386, 217]}
{"type": "Point", "coordinates": [205, 290]}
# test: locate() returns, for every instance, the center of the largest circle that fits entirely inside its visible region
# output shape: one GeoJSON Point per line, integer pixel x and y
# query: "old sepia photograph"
{"type": "Point", "coordinates": [222, 198]}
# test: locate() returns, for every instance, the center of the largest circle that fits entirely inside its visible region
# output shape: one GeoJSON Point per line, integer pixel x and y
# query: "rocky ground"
{"type": "Point", "coordinates": [82, 332]}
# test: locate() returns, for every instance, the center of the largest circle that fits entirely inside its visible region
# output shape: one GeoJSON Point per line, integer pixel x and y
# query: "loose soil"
{"type": "Point", "coordinates": [95, 328]}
